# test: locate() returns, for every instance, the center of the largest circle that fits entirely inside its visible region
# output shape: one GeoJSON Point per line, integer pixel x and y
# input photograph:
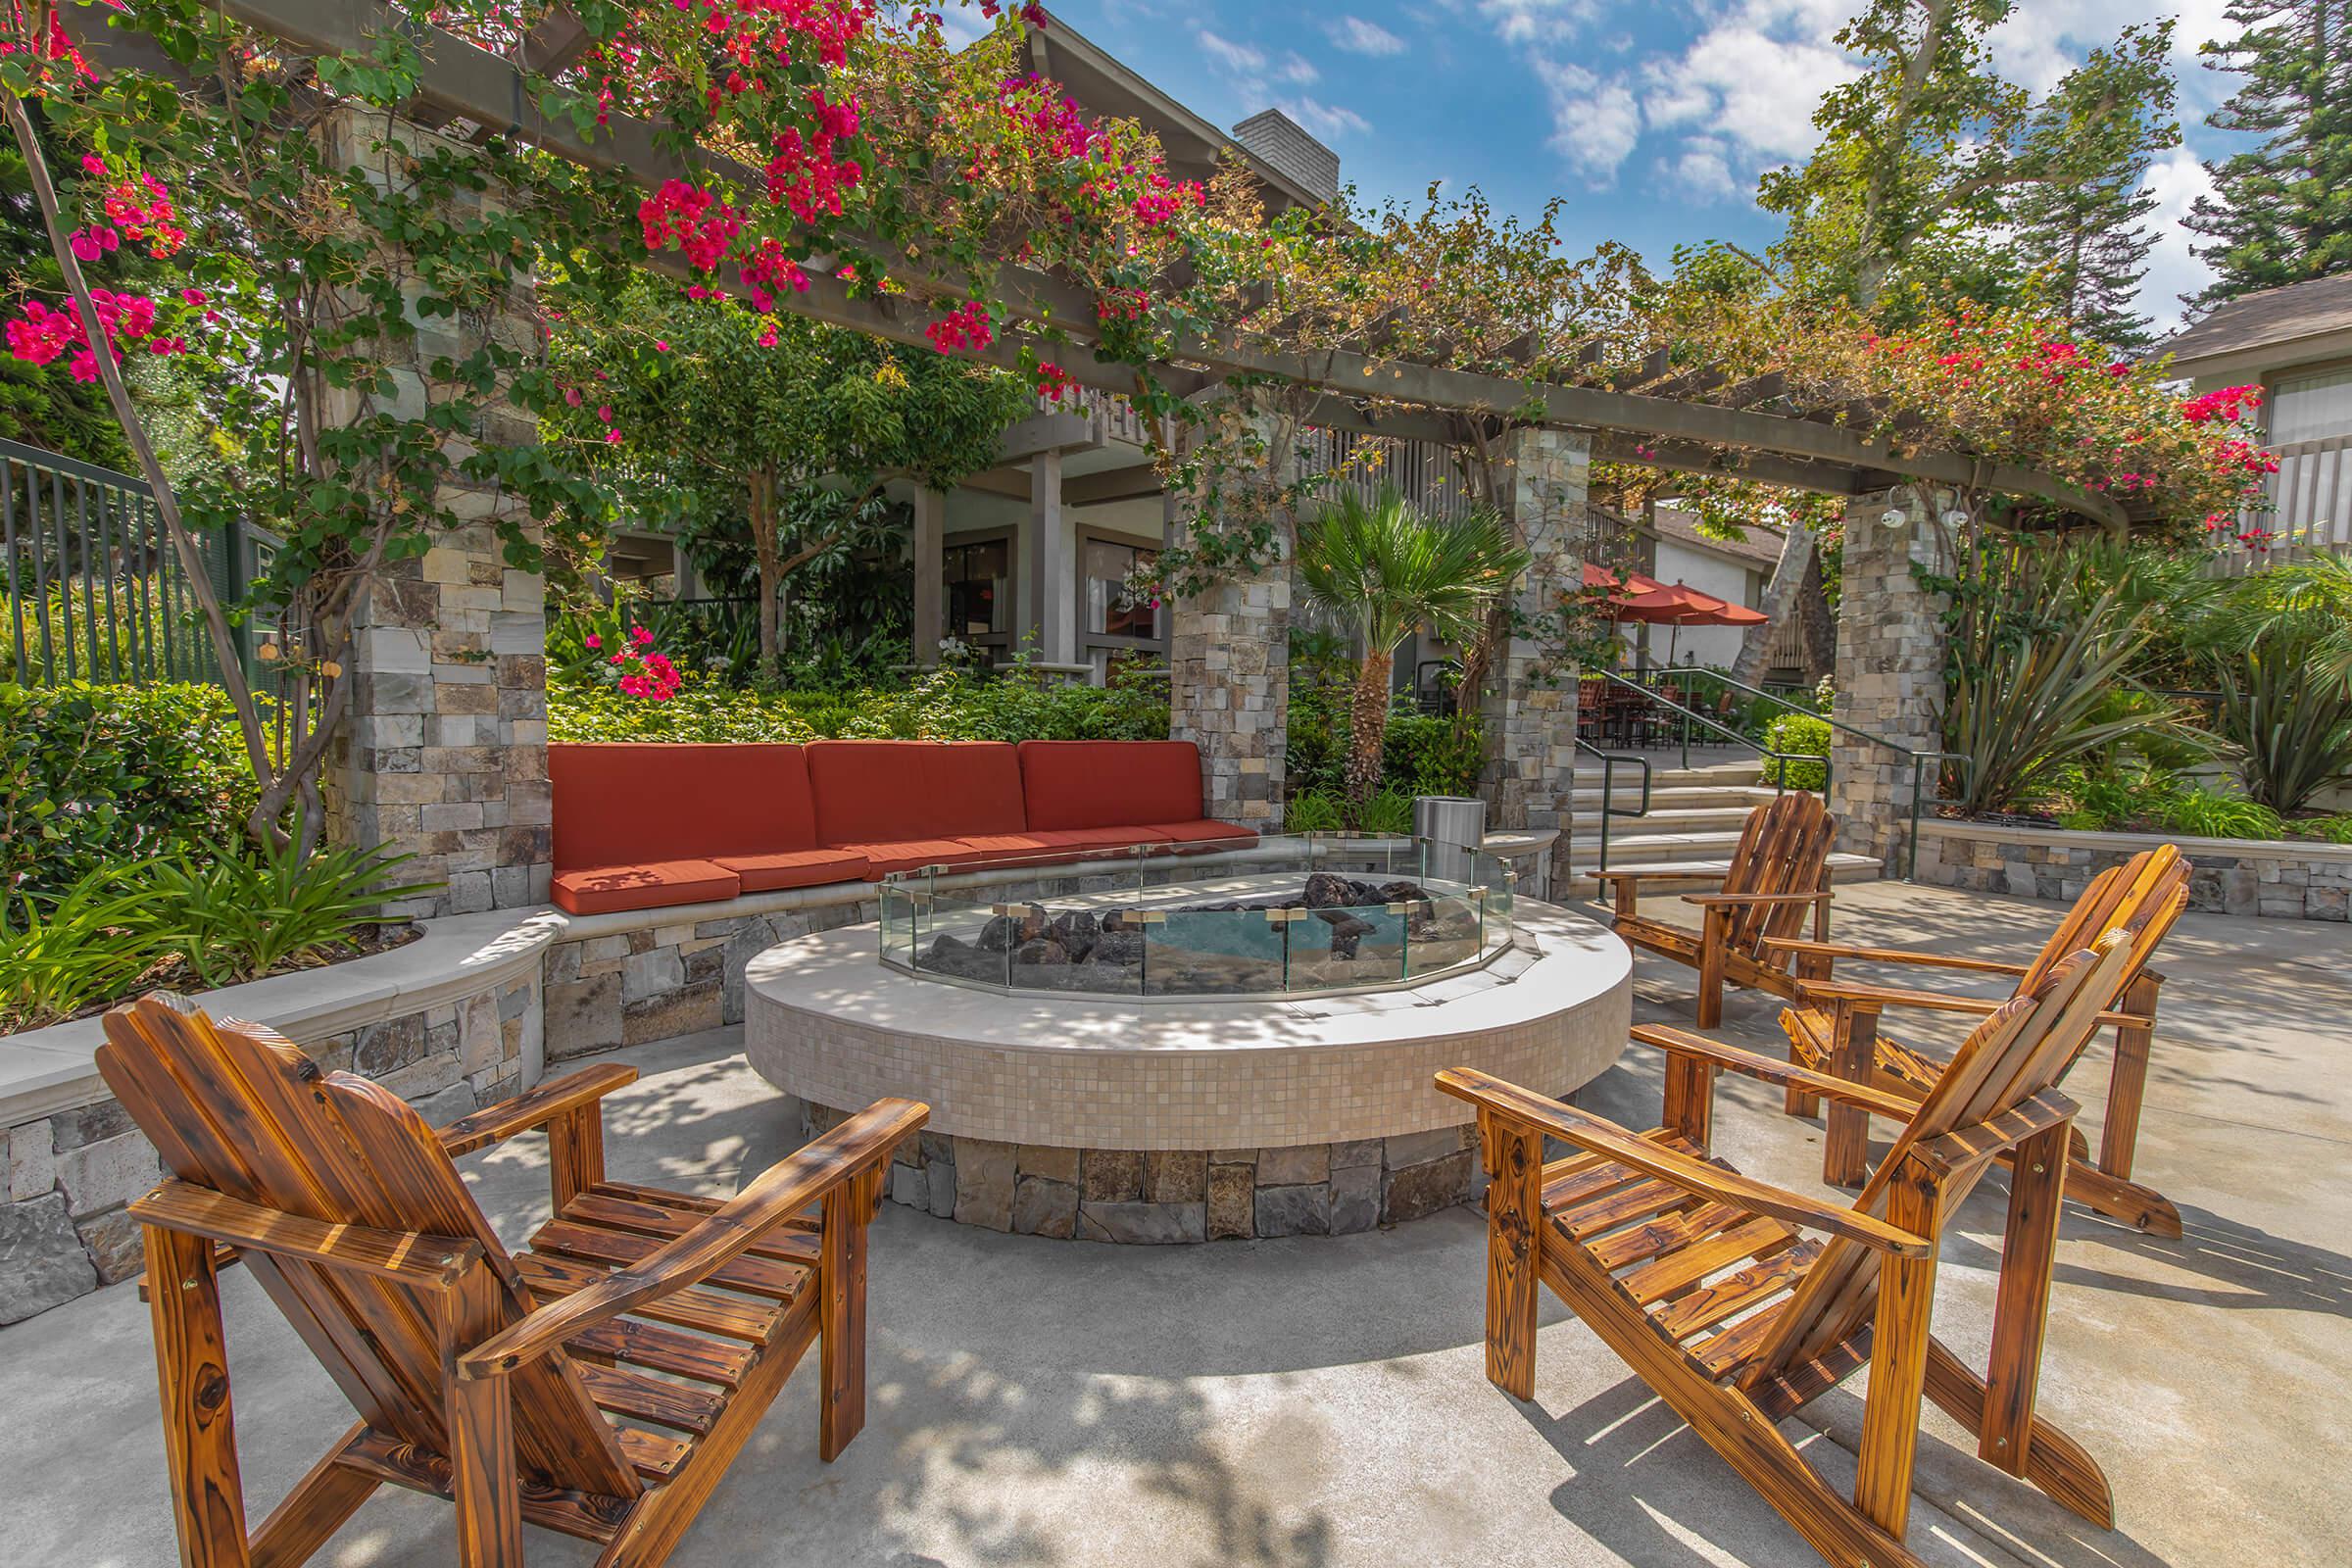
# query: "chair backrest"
{"type": "Point", "coordinates": [2016, 1053]}
{"type": "Point", "coordinates": [1785, 848]}
{"type": "Point", "coordinates": [241, 1110]}
{"type": "Point", "coordinates": [2144, 896]}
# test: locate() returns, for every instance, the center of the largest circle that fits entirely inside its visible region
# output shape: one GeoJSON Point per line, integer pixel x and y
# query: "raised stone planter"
{"type": "Point", "coordinates": [2268, 878]}
{"type": "Point", "coordinates": [449, 1022]}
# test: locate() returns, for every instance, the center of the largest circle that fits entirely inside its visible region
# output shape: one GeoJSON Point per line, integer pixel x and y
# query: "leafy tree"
{"type": "Point", "coordinates": [1383, 569]}
{"type": "Point", "coordinates": [2280, 213]}
{"type": "Point", "coordinates": [1925, 158]}
{"type": "Point", "coordinates": [709, 417]}
{"type": "Point", "coordinates": [36, 408]}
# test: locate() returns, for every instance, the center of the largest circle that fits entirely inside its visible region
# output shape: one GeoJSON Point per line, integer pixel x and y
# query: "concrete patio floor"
{"type": "Point", "coordinates": [1322, 1400]}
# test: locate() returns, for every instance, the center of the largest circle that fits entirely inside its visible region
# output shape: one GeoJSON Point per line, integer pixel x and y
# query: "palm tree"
{"type": "Point", "coordinates": [1380, 568]}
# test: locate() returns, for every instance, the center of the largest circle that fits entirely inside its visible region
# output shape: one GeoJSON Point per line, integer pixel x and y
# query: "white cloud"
{"type": "Point", "coordinates": [2179, 180]}
{"type": "Point", "coordinates": [1594, 123]}
{"type": "Point", "coordinates": [1361, 37]}
{"type": "Point", "coordinates": [1326, 121]}
{"type": "Point", "coordinates": [1705, 171]}
{"type": "Point", "coordinates": [1539, 21]}
{"type": "Point", "coordinates": [1297, 70]}
{"type": "Point", "coordinates": [1235, 57]}
{"type": "Point", "coordinates": [963, 24]}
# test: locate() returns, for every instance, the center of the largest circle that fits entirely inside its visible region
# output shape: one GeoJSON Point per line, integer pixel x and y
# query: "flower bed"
{"type": "Point", "coordinates": [946, 705]}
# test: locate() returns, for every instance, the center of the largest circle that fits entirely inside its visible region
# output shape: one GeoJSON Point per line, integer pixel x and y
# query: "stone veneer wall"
{"type": "Point", "coordinates": [445, 750]}
{"type": "Point", "coordinates": [1530, 779]}
{"type": "Point", "coordinates": [2276, 881]}
{"type": "Point", "coordinates": [660, 982]}
{"type": "Point", "coordinates": [1891, 655]}
{"type": "Point", "coordinates": [62, 1230]}
{"type": "Point", "coordinates": [1173, 1196]}
{"type": "Point", "coordinates": [1229, 678]}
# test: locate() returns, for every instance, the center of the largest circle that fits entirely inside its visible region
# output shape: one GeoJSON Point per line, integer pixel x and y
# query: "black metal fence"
{"type": "Point", "coordinates": [94, 590]}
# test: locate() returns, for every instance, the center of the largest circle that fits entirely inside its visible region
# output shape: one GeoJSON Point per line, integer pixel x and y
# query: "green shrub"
{"type": "Point", "coordinates": [91, 775]}
{"type": "Point", "coordinates": [1315, 751]}
{"type": "Point", "coordinates": [1797, 735]}
{"type": "Point", "coordinates": [1315, 812]}
{"type": "Point", "coordinates": [1426, 755]}
{"type": "Point", "coordinates": [239, 911]}
{"type": "Point", "coordinates": [2115, 797]}
{"type": "Point", "coordinates": [2328, 829]}
{"type": "Point", "coordinates": [1389, 812]}
{"type": "Point", "coordinates": [2203, 814]}
{"type": "Point", "coordinates": [90, 944]}
{"type": "Point", "coordinates": [946, 705]}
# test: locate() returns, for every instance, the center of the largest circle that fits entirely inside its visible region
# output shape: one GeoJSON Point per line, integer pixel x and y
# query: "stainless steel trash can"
{"type": "Point", "coordinates": [1452, 825]}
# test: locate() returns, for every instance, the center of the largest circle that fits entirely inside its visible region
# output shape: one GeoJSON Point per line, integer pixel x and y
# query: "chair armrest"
{"type": "Point", "coordinates": [1739, 898]}
{"type": "Point", "coordinates": [1877, 996]}
{"type": "Point", "coordinates": [534, 1109]}
{"type": "Point", "coordinates": [1757, 1066]}
{"type": "Point", "coordinates": [776, 1194]}
{"type": "Point", "coordinates": [1997, 1135]}
{"type": "Point", "coordinates": [411, 1257]}
{"type": "Point", "coordinates": [1838, 949]}
{"type": "Point", "coordinates": [1605, 1138]}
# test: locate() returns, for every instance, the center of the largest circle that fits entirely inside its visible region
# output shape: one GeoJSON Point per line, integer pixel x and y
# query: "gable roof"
{"type": "Point", "coordinates": [1761, 548]}
{"type": "Point", "coordinates": [2274, 316]}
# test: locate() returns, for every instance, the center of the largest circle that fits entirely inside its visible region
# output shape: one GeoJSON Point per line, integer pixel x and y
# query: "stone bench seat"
{"type": "Point", "coordinates": [642, 826]}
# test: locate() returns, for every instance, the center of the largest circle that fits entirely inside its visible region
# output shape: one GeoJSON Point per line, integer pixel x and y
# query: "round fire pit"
{"type": "Point", "coordinates": [1163, 1045]}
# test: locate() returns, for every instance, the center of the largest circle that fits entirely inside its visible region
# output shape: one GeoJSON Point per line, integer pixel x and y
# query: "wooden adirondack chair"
{"type": "Point", "coordinates": [1834, 1029]}
{"type": "Point", "coordinates": [598, 1383]}
{"type": "Point", "coordinates": [1778, 871]}
{"type": "Point", "coordinates": [1696, 1276]}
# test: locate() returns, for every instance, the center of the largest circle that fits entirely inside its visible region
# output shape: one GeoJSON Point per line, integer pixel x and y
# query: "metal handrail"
{"type": "Point", "coordinates": [1608, 791]}
{"type": "Point", "coordinates": [1916, 758]}
{"type": "Point", "coordinates": [1691, 717]}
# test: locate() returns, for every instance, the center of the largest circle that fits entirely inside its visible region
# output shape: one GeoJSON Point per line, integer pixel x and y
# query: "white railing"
{"type": "Point", "coordinates": [1422, 472]}
{"type": "Point", "coordinates": [1113, 418]}
{"type": "Point", "coordinates": [2310, 499]}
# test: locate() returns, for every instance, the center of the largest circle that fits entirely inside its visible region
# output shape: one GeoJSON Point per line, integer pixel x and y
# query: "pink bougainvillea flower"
{"type": "Point", "coordinates": [594, 641]}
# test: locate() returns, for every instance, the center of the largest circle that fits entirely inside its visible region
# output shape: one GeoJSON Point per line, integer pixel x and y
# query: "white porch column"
{"type": "Point", "coordinates": [1052, 565]}
{"type": "Point", "coordinates": [930, 570]}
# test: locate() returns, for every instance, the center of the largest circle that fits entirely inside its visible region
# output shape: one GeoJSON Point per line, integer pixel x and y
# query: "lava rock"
{"type": "Point", "coordinates": [1077, 931]}
{"type": "Point", "coordinates": [1120, 947]}
{"type": "Point", "coordinates": [1328, 890]}
{"type": "Point", "coordinates": [1040, 952]}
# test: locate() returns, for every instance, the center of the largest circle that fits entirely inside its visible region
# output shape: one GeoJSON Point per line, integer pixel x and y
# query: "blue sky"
{"type": "Point", "coordinates": [1652, 118]}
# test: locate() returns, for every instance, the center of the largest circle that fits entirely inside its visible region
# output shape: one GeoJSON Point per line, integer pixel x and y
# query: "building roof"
{"type": "Point", "coordinates": [2272, 319]}
{"type": "Point", "coordinates": [1761, 548]}
{"type": "Point", "coordinates": [1105, 85]}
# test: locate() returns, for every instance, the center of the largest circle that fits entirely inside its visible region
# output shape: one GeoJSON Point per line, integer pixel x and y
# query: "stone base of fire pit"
{"type": "Point", "coordinates": [1137, 1120]}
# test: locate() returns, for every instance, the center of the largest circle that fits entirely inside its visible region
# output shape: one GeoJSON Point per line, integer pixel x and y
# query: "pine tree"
{"type": "Point", "coordinates": [2091, 251]}
{"type": "Point", "coordinates": [2281, 212]}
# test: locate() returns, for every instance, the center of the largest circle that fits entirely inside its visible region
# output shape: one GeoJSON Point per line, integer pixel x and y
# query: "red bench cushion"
{"type": "Point", "coordinates": [627, 804]}
{"type": "Point", "coordinates": [884, 856]}
{"type": "Point", "coordinates": [794, 869]}
{"type": "Point", "coordinates": [886, 792]}
{"type": "Point", "coordinates": [1081, 784]}
{"type": "Point", "coordinates": [605, 888]}
{"type": "Point", "coordinates": [1201, 830]}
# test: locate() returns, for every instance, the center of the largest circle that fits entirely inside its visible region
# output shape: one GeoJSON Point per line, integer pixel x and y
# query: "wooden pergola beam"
{"type": "Point", "coordinates": [463, 81]}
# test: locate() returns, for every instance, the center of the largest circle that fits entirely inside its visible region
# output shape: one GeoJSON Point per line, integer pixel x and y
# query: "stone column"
{"type": "Point", "coordinates": [1229, 679]}
{"type": "Point", "coordinates": [930, 587]}
{"type": "Point", "coordinates": [444, 752]}
{"type": "Point", "coordinates": [1891, 645]}
{"type": "Point", "coordinates": [1531, 711]}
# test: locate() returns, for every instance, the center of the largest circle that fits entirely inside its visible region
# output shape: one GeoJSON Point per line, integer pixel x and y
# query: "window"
{"type": "Point", "coordinates": [979, 590]}
{"type": "Point", "coordinates": [2312, 407]}
{"type": "Point", "coordinates": [1111, 609]}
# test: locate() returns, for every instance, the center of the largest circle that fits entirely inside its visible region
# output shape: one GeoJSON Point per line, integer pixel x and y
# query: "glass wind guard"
{"type": "Point", "coordinates": [1204, 953]}
{"type": "Point", "coordinates": [898, 927]}
{"type": "Point", "coordinates": [962, 939]}
{"type": "Point", "coordinates": [1359, 946]}
{"type": "Point", "coordinates": [1078, 950]}
{"type": "Point", "coordinates": [1444, 930]}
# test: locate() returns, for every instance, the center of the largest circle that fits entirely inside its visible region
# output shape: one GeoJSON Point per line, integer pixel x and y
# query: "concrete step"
{"type": "Point", "coordinates": [1626, 847]}
{"type": "Point", "coordinates": [1672, 798]}
{"type": "Point", "coordinates": [1664, 775]}
{"type": "Point", "coordinates": [1676, 817]}
{"type": "Point", "coordinates": [1689, 875]}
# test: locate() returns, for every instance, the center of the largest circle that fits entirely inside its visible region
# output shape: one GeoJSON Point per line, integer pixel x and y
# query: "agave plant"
{"type": "Point", "coordinates": [2033, 673]}
{"type": "Point", "coordinates": [1381, 569]}
{"type": "Point", "coordinates": [90, 944]}
{"type": "Point", "coordinates": [2290, 719]}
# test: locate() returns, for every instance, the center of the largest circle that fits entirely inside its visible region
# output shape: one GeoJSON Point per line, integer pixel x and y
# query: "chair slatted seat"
{"type": "Point", "coordinates": [597, 1383]}
{"type": "Point", "coordinates": [1707, 1283]}
{"type": "Point", "coordinates": [1778, 872]}
{"type": "Point", "coordinates": [1834, 1028]}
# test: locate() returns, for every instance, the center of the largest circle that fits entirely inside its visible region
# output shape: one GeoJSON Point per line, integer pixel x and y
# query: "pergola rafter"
{"type": "Point", "coordinates": [1648, 405]}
